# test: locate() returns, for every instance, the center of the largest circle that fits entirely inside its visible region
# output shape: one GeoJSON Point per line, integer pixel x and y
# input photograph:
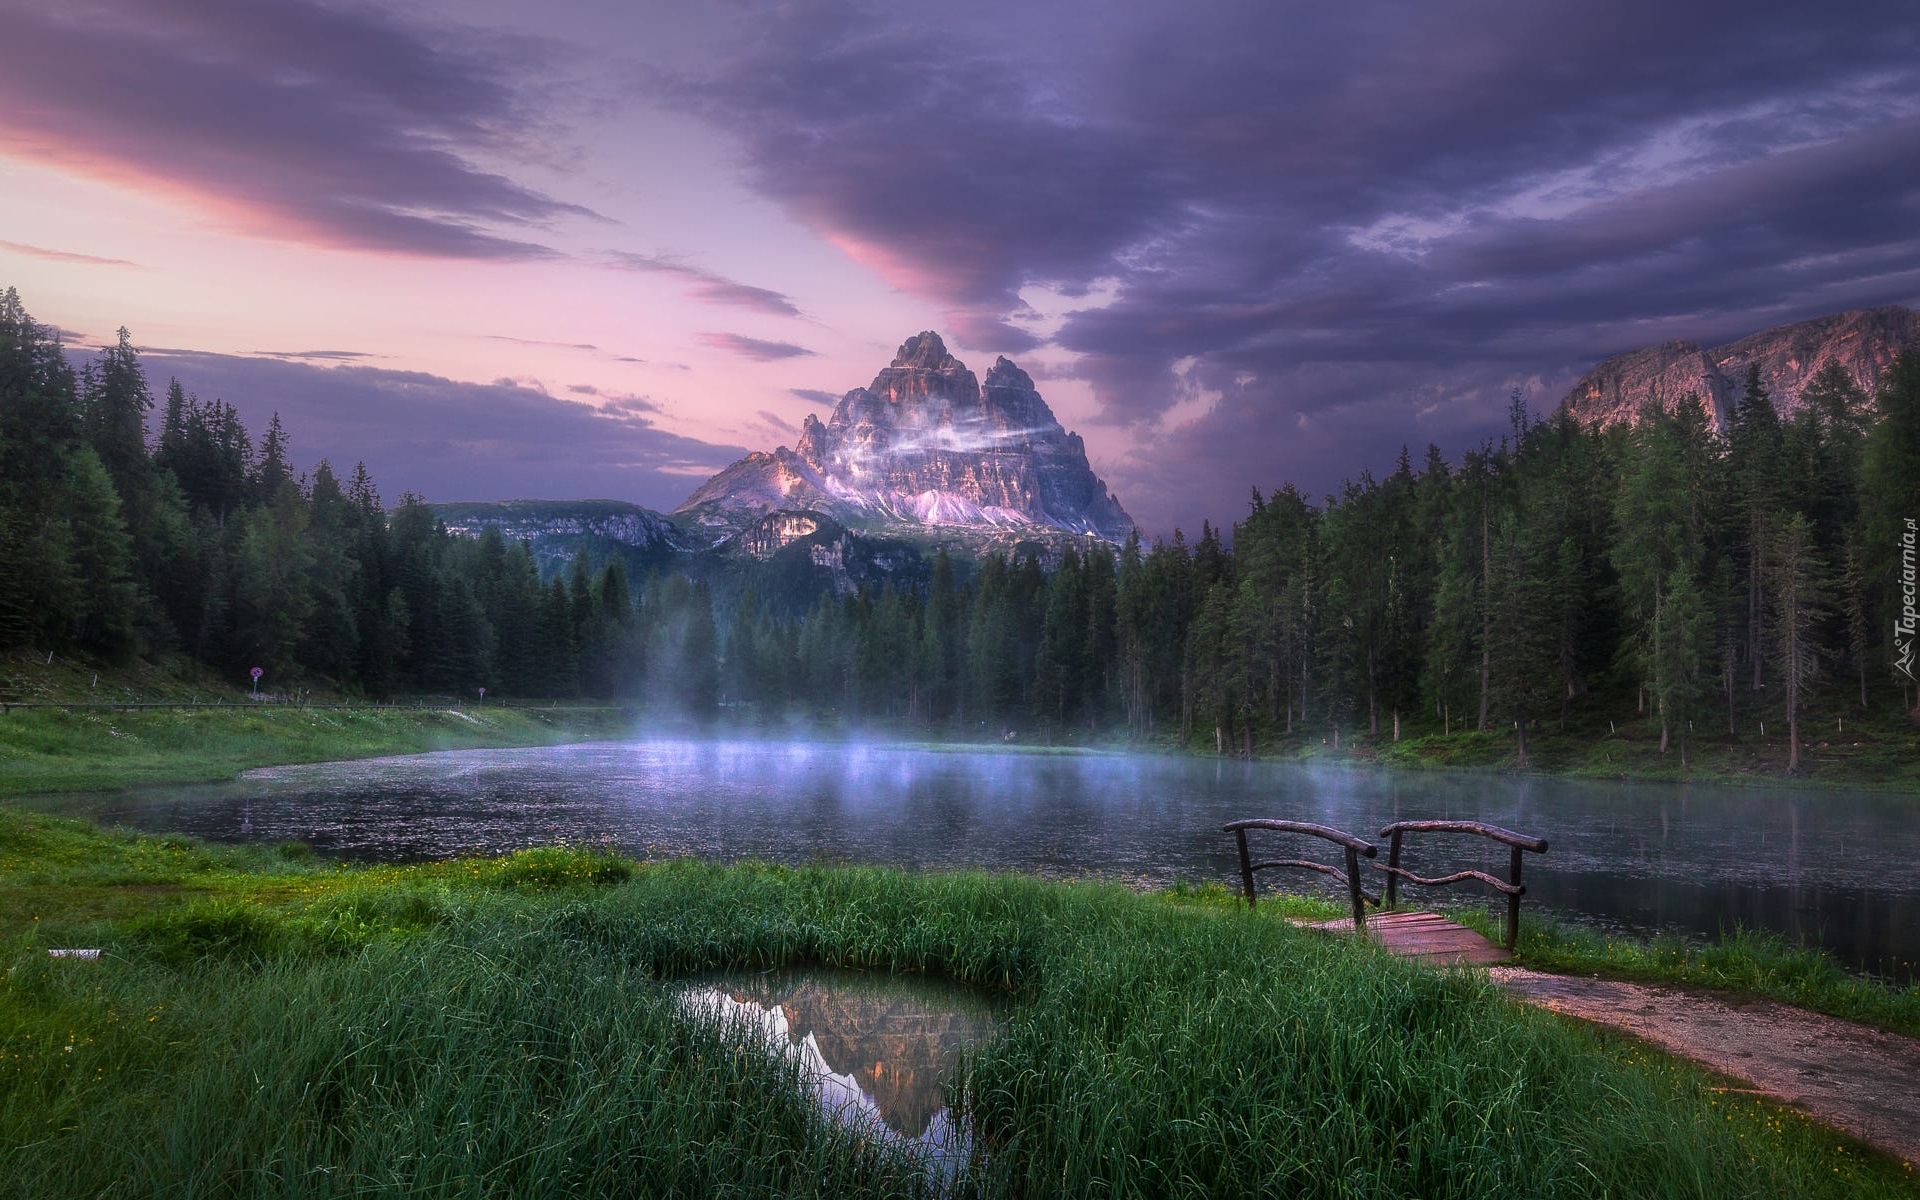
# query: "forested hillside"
{"type": "Point", "coordinates": [200, 541]}
{"type": "Point", "coordinates": [1704, 579]}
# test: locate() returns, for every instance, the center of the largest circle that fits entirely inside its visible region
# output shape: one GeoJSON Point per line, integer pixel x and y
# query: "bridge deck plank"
{"type": "Point", "coordinates": [1426, 936]}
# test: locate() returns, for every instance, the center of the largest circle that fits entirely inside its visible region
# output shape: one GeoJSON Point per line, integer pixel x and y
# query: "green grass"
{"type": "Point", "coordinates": [1745, 961]}
{"type": "Point", "coordinates": [263, 1024]}
{"type": "Point", "coordinates": [57, 750]}
{"type": "Point", "coordinates": [1842, 748]}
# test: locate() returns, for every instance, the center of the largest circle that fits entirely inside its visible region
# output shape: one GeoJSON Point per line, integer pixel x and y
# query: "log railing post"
{"type": "Point", "coordinates": [1512, 887]}
{"type": "Point", "coordinates": [1353, 890]}
{"type": "Point", "coordinates": [1356, 848]}
{"type": "Point", "coordinates": [1513, 901]}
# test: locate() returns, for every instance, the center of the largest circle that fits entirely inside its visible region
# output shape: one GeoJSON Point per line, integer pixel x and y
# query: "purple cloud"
{"type": "Point", "coordinates": [753, 348]}
{"type": "Point", "coordinates": [64, 256]}
{"type": "Point", "coordinates": [1329, 231]}
{"type": "Point", "coordinates": [777, 423]}
{"type": "Point", "coordinates": [715, 289]}
{"type": "Point", "coordinates": [518, 341]}
{"type": "Point", "coordinates": [452, 440]}
{"type": "Point", "coordinates": [341, 126]}
{"type": "Point", "coordinates": [324, 355]}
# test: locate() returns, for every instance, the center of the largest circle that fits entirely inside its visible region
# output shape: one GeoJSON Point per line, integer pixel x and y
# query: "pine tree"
{"type": "Point", "coordinates": [274, 471]}
{"type": "Point", "coordinates": [102, 608]}
{"type": "Point", "coordinates": [1797, 600]}
{"type": "Point", "coordinates": [1754, 453]}
{"type": "Point", "coordinates": [116, 417]}
{"type": "Point", "coordinates": [1682, 647]}
{"type": "Point", "coordinates": [330, 639]}
{"type": "Point", "coordinates": [1653, 546]}
{"type": "Point", "coordinates": [39, 436]}
{"type": "Point", "coordinates": [271, 567]}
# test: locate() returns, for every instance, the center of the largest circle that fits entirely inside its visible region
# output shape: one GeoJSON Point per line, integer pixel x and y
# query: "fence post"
{"type": "Point", "coordinates": [1246, 865]}
{"type": "Point", "coordinates": [1513, 903]}
{"type": "Point", "coordinates": [1353, 890]}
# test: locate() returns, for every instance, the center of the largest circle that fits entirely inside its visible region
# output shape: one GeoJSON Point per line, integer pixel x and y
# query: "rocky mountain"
{"type": "Point", "coordinates": [1789, 356]}
{"type": "Point", "coordinates": [925, 445]}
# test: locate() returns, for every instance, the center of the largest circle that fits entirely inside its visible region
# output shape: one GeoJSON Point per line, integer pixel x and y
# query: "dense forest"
{"type": "Point", "coordinates": [1698, 576]}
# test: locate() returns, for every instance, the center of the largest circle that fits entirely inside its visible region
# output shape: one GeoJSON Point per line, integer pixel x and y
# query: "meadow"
{"type": "Point", "coordinates": [262, 1023]}
{"type": "Point", "coordinates": [92, 749]}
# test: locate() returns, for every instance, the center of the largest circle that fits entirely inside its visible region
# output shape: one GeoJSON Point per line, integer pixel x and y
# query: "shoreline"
{"type": "Point", "coordinates": [77, 748]}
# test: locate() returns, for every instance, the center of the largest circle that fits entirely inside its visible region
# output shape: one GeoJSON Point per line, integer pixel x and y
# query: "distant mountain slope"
{"type": "Point", "coordinates": [645, 540]}
{"type": "Point", "coordinates": [924, 445]}
{"type": "Point", "coordinates": [789, 559]}
{"type": "Point", "coordinates": [1789, 356]}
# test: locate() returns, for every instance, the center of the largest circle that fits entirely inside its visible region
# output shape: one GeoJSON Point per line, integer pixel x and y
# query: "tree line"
{"type": "Point", "coordinates": [200, 541]}
{"type": "Point", "coordinates": [1708, 577]}
{"type": "Point", "coordinates": [1712, 579]}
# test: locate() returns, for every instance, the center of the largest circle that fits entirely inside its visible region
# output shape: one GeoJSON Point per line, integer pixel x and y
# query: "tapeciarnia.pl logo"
{"type": "Point", "coordinates": [1905, 623]}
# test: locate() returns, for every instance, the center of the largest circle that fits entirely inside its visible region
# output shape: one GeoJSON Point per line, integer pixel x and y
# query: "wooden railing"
{"type": "Point", "coordinates": [1511, 887]}
{"type": "Point", "coordinates": [1355, 847]}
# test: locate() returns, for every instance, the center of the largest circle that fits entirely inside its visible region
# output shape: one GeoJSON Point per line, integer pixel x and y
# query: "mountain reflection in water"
{"type": "Point", "coordinates": [876, 1049]}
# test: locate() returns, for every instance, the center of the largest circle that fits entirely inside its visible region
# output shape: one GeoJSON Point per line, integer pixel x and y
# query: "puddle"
{"type": "Point", "coordinates": [876, 1049]}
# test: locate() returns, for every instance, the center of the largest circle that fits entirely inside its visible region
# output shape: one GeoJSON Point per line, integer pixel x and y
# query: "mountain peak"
{"type": "Point", "coordinates": [924, 349]}
{"type": "Point", "coordinates": [1006, 374]}
{"type": "Point", "coordinates": [925, 445]}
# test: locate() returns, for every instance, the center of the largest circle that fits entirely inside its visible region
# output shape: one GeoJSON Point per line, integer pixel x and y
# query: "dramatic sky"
{"type": "Point", "coordinates": [500, 248]}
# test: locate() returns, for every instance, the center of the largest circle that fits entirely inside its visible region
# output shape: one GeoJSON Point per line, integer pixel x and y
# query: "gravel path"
{"type": "Point", "coordinates": [1862, 1080]}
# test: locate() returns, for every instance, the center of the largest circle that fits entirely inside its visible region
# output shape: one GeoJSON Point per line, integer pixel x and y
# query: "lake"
{"type": "Point", "coordinates": [1836, 868]}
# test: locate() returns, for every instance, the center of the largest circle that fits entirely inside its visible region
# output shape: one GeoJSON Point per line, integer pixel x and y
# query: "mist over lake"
{"type": "Point", "coordinates": [1836, 868]}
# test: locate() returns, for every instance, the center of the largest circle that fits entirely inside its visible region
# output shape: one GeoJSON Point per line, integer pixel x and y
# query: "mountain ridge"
{"type": "Point", "coordinates": [1865, 341]}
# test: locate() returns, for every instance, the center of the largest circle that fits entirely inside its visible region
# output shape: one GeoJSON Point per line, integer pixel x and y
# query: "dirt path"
{"type": "Point", "coordinates": [1862, 1080]}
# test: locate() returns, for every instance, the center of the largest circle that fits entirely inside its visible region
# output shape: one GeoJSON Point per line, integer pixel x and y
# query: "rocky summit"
{"type": "Point", "coordinates": [925, 444]}
{"type": "Point", "coordinates": [1789, 356]}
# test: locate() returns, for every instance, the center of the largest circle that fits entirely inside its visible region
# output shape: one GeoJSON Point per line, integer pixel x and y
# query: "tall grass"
{"type": "Point", "coordinates": [507, 1027]}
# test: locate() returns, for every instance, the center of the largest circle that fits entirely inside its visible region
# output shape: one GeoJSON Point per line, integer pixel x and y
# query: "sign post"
{"type": "Point", "coordinates": [256, 673]}
{"type": "Point", "coordinates": [483, 696]}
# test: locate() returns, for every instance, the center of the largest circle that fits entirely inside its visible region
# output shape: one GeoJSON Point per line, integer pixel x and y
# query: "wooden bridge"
{"type": "Point", "coordinates": [1426, 936]}
{"type": "Point", "coordinates": [1422, 935]}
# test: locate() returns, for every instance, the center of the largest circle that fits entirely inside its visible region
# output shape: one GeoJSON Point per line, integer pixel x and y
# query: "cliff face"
{"type": "Point", "coordinates": [1789, 356]}
{"type": "Point", "coordinates": [926, 444]}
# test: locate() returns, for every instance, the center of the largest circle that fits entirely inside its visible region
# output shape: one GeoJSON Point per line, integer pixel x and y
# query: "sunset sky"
{"type": "Point", "coordinates": [503, 249]}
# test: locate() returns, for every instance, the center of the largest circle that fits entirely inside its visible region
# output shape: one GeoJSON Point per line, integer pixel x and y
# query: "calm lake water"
{"type": "Point", "coordinates": [1841, 869]}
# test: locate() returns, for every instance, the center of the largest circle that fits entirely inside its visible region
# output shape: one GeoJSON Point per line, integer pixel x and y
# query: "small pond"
{"type": "Point", "coordinates": [876, 1049]}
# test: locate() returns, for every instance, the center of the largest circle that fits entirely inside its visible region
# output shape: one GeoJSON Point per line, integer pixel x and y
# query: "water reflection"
{"type": "Point", "coordinates": [877, 1050]}
{"type": "Point", "coordinates": [1841, 868]}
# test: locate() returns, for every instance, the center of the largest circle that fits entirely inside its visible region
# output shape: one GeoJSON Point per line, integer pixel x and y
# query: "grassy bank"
{"type": "Point", "coordinates": [55, 749]}
{"type": "Point", "coordinates": [264, 1025]}
{"type": "Point", "coordinates": [94, 746]}
{"type": "Point", "coordinates": [1747, 962]}
{"type": "Point", "coordinates": [1841, 748]}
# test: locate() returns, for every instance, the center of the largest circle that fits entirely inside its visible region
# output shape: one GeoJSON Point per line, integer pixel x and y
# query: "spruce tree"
{"type": "Point", "coordinates": [1797, 596]}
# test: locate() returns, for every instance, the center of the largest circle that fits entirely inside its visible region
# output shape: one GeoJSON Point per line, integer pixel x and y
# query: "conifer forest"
{"type": "Point", "coordinates": [1701, 577]}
